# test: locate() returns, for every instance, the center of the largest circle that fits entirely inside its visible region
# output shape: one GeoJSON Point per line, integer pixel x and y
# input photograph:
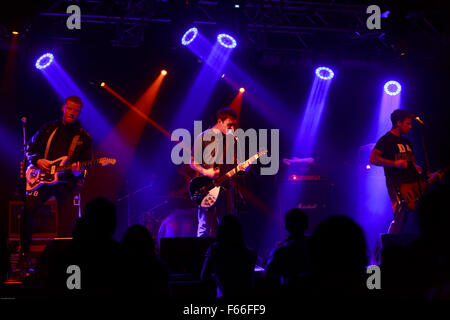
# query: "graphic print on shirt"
{"type": "Point", "coordinates": [404, 152]}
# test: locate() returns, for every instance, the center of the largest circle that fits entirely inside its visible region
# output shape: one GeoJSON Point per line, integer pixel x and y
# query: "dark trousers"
{"type": "Point", "coordinates": [67, 215]}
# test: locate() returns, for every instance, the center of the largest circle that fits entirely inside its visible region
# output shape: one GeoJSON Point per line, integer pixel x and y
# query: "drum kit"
{"type": "Point", "coordinates": [172, 216]}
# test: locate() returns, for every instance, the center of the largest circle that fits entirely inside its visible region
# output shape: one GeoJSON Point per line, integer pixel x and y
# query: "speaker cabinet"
{"type": "Point", "coordinates": [389, 247]}
{"type": "Point", "coordinates": [312, 196]}
{"type": "Point", "coordinates": [45, 221]}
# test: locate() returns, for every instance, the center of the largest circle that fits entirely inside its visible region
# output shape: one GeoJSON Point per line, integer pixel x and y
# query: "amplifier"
{"type": "Point", "coordinates": [310, 195]}
{"type": "Point", "coordinates": [45, 221]}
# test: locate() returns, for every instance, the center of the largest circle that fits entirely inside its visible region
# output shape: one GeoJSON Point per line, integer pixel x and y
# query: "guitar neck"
{"type": "Point", "coordinates": [227, 176]}
{"type": "Point", "coordinates": [236, 169]}
{"type": "Point", "coordinates": [86, 163]}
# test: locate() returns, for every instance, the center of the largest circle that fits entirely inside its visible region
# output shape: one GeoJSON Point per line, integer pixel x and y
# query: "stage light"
{"type": "Point", "coordinates": [44, 61]}
{"type": "Point", "coordinates": [102, 84]}
{"type": "Point", "coordinates": [226, 40]}
{"type": "Point", "coordinates": [368, 167]}
{"type": "Point", "coordinates": [324, 73]}
{"type": "Point", "coordinates": [392, 88]}
{"type": "Point", "coordinates": [189, 36]}
{"type": "Point", "coordinates": [15, 33]}
{"type": "Point", "coordinates": [223, 76]}
{"type": "Point", "coordinates": [163, 72]}
{"type": "Point", "coordinates": [242, 90]}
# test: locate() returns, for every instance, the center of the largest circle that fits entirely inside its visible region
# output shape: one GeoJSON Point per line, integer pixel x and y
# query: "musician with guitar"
{"type": "Point", "coordinates": [210, 166]}
{"type": "Point", "coordinates": [64, 138]}
{"type": "Point", "coordinates": [404, 182]}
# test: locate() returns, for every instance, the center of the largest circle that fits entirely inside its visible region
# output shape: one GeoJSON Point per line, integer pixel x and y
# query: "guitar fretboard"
{"type": "Point", "coordinates": [238, 168]}
{"type": "Point", "coordinates": [86, 163]}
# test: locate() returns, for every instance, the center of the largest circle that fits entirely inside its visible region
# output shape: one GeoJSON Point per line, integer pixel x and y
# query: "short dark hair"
{"type": "Point", "coordinates": [75, 99]}
{"type": "Point", "coordinates": [296, 221]}
{"type": "Point", "coordinates": [225, 113]}
{"type": "Point", "coordinates": [400, 115]}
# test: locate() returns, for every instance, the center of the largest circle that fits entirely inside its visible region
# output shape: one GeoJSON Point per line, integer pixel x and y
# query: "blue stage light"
{"type": "Point", "coordinates": [392, 88]}
{"type": "Point", "coordinates": [189, 36]}
{"type": "Point", "coordinates": [227, 41]}
{"type": "Point", "coordinates": [44, 61]}
{"type": "Point", "coordinates": [324, 73]}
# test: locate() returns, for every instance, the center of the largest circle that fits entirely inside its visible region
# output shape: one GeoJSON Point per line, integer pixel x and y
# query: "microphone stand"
{"type": "Point", "coordinates": [129, 197]}
{"type": "Point", "coordinates": [22, 175]}
{"type": "Point", "coordinates": [425, 152]}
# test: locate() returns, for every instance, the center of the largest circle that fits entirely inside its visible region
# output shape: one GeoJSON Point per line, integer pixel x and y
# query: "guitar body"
{"type": "Point", "coordinates": [37, 177]}
{"type": "Point", "coordinates": [203, 191]}
{"type": "Point", "coordinates": [411, 193]}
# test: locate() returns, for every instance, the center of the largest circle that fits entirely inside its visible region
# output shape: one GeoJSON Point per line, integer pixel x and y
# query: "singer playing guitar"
{"type": "Point", "coordinates": [55, 139]}
{"type": "Point", "coordinates": [214, 166]}
{"type": "Point", "coordinates": [394, 152]}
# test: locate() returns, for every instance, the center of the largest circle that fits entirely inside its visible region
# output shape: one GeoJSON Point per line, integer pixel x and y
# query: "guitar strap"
{"type": "Point", "coordinates": [49, 141]}
{"type": "Point", "coordinates": [73, 145]}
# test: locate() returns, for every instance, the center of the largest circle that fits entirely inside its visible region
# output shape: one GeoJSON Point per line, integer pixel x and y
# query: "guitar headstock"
{"type": "Point", "coordinates": [260, 153]}
{"type": "Point", "coordinates": [248, 162]}
{"type": "Point", "coordinates": [107, 161]}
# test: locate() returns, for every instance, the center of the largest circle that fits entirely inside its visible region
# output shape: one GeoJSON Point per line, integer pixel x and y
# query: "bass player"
{"type": "Point", "coordinates": [394, 152]}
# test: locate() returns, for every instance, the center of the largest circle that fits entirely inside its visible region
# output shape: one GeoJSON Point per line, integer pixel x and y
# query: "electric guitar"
{"type": "Point", "coordinates": [410, 193]}
{"type": "Point", "coordinates": [37, 177]}
{"type": "Point", "coordinates": [205, 191]}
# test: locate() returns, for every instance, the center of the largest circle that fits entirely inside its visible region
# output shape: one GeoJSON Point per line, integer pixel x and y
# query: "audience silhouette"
{"type": "Point", "coordinates": [338, 259]}
{"type": "Point", "coordinates": [101, 260]}
{"type": "Point", "coordinates": [290, 258]}
{"type": "Point", "coordinates": [434, 217]}
{"type": "Point", "coordinates": [328, 265]}
{"type": "Point", "coordinates": [150, 276]}
{"type": "Point", "coordinates": [229, 264]}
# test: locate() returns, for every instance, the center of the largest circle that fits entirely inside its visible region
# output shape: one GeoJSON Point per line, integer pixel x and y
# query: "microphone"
{"type": "Point", "coordinates": [419, 120]}
{"type": "Point", "coordinates": [23, 119]}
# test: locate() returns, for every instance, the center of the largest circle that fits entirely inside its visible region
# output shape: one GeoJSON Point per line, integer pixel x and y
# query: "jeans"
{"type": "Point", "coordinates": [209, 218]}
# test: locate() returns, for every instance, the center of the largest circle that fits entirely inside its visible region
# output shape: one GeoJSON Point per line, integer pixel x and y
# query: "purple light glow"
{"type": "Point", "coordinates": [44, 61]}
{"type": "Point", "coordinates": [227, 41]}
{"type": "Point", "coordinates": [189, 36]}
{"type": "Point", "coordinates": [324, 73]}
{"type": "Point", "coordinates": [64, 86]}
{"type": "Point", "coordinates": [392, 88]}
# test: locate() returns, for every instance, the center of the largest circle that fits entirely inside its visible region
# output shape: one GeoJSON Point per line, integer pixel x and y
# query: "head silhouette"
{"type": "Point", "coordinates": [98, 221]}
{"type": "Point", "coordinates": [296, 222]}
{"type": "Point", "coordinates": [230, 231]}
{"type": "Point", "coordinates": [339, 244]}
{"type": "Point", "coordinates": [139, 240]}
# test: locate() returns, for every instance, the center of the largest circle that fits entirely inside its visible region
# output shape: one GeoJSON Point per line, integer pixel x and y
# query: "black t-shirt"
{"type": "Point", "coordinates": [394, 148]}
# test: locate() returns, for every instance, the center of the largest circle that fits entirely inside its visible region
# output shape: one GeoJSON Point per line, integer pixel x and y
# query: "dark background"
{"type": "Point", "coordinates": [360, 68]}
